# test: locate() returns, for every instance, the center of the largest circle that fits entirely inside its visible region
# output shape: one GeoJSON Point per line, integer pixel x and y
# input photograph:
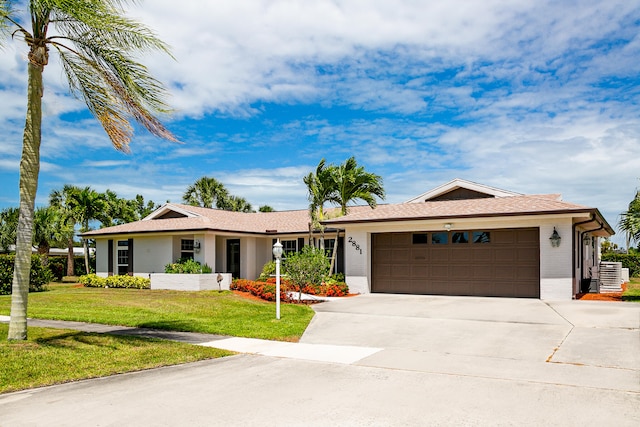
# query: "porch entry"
{"type": "Point", "coordinates": [233, 257]}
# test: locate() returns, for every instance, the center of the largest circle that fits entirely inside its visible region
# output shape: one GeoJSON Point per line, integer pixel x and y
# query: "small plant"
{"type": "Point", "coordinates": [187, 266]}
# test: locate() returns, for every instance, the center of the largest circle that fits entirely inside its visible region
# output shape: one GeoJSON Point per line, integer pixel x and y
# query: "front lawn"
{"type": "Point", "coordinates": [632, 293]}
{"type": "Point", "coordinates": [54, 356]}
{"type": "Point", "coordinates": [213, 312]}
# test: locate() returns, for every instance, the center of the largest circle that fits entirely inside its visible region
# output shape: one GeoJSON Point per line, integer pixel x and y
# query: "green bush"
{"type": "Point", "coordinates": [58, 266]}
{"type": "Point", "coordinates": [120, 281]}
{"type": "Point", "coordinates": [40, 276]}
{"type": "Point", "coordinates": [630, 261]}
{"type": "Point", "coordinates": [187, 266]}
{"type": "Point", "coordinates": [269, 270]}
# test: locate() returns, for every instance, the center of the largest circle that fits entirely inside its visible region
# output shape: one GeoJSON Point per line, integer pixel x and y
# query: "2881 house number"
{"type": "Point", "coordinates": [355, 245]}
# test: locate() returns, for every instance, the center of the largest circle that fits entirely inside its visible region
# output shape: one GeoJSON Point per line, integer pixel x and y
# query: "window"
{"type": "Point", "coordinates": [441, 238]}
{"type": "Point", "coordinates": [123, 256]}
{"type": "Point", "coordinates": [460, 237]}
{"type": "Point", "coordinates": [481, 237]}
{"type": "Point", "coordinates": [186, 248]}
{"type": "Point", "coordinates": [124, 243]}
{"type": "Point", "coordinates": [289, 246]}
{"type": "Point", "coordinates": [420, 238]}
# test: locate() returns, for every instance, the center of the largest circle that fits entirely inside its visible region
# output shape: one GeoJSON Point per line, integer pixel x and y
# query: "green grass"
{"type": "Point", "coordinates": [54, 356]}
{"type": "Point", "coordinates": [212, 312]}
{"type": "Point", "coordinates": [633, 290]}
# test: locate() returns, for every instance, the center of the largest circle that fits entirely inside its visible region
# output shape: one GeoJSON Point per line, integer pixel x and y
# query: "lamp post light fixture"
{"type": "Point", "coordinates": [555, 238]}
{"type": "Point", "coordinates": [277, 253]}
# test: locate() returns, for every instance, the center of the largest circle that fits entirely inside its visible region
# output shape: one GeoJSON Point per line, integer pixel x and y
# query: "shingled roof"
{"type": "Point", "coordinates": [473, 208]}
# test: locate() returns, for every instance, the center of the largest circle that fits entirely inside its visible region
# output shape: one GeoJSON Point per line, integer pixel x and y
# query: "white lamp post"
{"type": "Point", "coordinates": [277, 252]}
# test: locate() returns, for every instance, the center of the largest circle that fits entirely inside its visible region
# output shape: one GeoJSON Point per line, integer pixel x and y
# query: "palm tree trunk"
{"type": "Point", "coordinates": [29, 169]}
{"type": "Point", "coordinates": [333, 253]}
{"type": "Point", "coordinates": [71, 270]}
{"type": "Point", "coordinates": [85, 244]}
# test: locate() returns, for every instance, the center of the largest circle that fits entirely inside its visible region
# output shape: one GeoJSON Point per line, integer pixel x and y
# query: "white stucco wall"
{"type": "Point", "coordinates": [357, 261]}
{"type": "Point", "coordinates": [556, 277]}
{"type": "Point", "coordinates": [190, 282]}
{"type": "Point", "coordinates": [151, 254]}
{"type": "Point", "coordinates": [102, 260]}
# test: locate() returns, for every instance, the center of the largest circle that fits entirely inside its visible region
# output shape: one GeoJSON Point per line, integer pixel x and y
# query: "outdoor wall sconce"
{"type": "Point", "coordinates": [196, 245]}
{"type": "Point", "coordinates": [555, 238]}
{"type": "Point", "coordinates": [586, 239]}
{"type": "Point", "coordinates": [447, 226]}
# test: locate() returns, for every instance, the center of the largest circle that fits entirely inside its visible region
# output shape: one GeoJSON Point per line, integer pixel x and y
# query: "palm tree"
{"type": "Point", "coordinates": [353, 182]}
{"type": "Point", "coordinates": [321, 187]}
{"type": "Point", "coordinates": [235, 204]}
{"type": "Point", "coordinates": [87, 205]}
{"type": "Point", "coordinates": [205, 192]}
{"type": "Point", "coordinates": [630, 220]}
{"type": "Point", "coordinates": [63, 201]}
{"type": "Point", "coordinates": [97, 46]}
{"type": "Point", "coordinates": [49, 228]}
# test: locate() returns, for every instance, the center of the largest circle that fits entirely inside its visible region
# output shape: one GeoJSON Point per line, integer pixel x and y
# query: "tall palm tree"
{"type": "Point", "coordinates": [88, 205]}
{"type": "Point", "coordinates": [206, 192]}
{"type": "Point", "coordinates": [63, 201]}
{"type": "Point", "coordinates": [97, 46]}
{"type": "Point", "coordinates": [354, 182]}
{"type": "Point", "coordinates": [630, 220]}
{"type": "Point", "coordinates": [321, 187]}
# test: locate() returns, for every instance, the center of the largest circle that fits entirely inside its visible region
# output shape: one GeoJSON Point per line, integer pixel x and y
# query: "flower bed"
{"type": "Point", "coordinates": [267, 289]}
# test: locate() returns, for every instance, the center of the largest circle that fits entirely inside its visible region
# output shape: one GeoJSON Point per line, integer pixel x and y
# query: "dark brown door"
{"type": "Point", "coordinates": [503, 262]}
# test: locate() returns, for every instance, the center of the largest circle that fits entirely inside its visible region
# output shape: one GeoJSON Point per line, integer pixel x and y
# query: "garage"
{"type": "Point", "coordinates": [495, 262]}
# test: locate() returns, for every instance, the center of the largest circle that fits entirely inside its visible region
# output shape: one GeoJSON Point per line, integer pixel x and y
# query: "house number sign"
{"type": "Point", "coordinates": [355, 245]}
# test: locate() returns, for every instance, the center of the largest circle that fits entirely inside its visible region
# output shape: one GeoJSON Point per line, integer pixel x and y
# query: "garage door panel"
{"type": "Point", "coordinates": [508, 265]}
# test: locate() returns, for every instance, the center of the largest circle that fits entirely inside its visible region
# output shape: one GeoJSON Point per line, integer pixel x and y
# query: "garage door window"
{"type": "Point", "coordinates": [460, 237]}
{"type": "Point", "coordinates": [439, 238]}
{"type": "Point", "coordinates": [420, 238]}
{"type": "Point", "coordinates": [481, 237]}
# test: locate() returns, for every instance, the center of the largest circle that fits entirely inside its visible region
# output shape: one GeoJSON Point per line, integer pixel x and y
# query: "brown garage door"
{"type": "Point", "coordinates": [504, 262]}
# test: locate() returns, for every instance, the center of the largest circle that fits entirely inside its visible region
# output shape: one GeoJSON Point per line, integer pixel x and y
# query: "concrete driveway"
{"type": "Point", "coordinates": [435, 361]}
{"type": "Point", "coordinates": [582, 343]}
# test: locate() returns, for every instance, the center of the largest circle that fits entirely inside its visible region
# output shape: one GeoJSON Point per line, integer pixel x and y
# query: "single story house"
{"type": "Point", "coordinates": [461, 238]}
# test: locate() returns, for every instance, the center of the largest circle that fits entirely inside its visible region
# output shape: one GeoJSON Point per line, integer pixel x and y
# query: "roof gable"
{"type": "Point", "coordinates": [460, 189]}
{"type": "Point", "coordinates": [170, 211]}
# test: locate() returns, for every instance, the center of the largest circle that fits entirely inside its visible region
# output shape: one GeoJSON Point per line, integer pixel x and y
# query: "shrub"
{"type": "Point", "coordinates": [119, 281]}
{"type": "Point", "coordinates": [266, 289]}
{"type": "Point", "coordinates": [630, 261]}
{"type": "Point", "coordinates": [187, 266]}
{"type": "Point", "coordinates": [307, 267]}
{"type": "Point", "coordinates": [39, 277]}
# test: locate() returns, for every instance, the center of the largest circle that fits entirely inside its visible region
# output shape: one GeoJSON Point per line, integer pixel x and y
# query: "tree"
{"type": "Point", "coordinates": [97, 46]}
{"type": "Point", "coordinates": [8, 228]}
{"type": "Point", "coordinates": [307, 267]}
{"type": "Point", "coordinates": [235, 204]}
{"type": "Point", "coordinates": [87, 205]}
{"type": "Point", "coordinates": [266, 208]}
{"type": "Point", "coordinates": [630, 220]}
{"type": "Point", "coordinates": [49, 228]}
{"type": "Point", "coordinates": [206, 192]}
{"type": "Point", "coordinates": [353, 182]}
{"type": "Point", "coordinates": [62, 200]}
{"type": "Point", "coordinates": [321, 187]}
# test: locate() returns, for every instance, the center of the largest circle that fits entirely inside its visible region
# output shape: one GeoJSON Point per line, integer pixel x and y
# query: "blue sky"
{"type": "Point", "coordinates": [529, 96]}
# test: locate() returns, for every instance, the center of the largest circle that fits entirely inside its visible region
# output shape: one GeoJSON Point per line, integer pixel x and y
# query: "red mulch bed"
{"type": "Point", "coordinates": [612, 296]}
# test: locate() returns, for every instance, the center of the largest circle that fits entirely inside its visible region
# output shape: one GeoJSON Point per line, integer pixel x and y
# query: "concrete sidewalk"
{"type": "Point", "coordinates": [345, 354]}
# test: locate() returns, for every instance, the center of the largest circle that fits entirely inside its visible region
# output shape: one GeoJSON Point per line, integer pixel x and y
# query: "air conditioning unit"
{"type": "Point", "coordinates": [610, 277]}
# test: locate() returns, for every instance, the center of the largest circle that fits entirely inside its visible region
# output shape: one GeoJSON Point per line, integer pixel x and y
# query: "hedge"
{"type": "Point", "coordinates": [119, 281]}
{"type": "Point", "coordinates": [40, 276]}
{"type": "Point", "coordinates": [630, 261]}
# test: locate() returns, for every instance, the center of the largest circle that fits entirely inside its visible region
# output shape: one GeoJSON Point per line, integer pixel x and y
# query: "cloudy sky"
{"type": "Point", "coordinates": [530, 96]}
